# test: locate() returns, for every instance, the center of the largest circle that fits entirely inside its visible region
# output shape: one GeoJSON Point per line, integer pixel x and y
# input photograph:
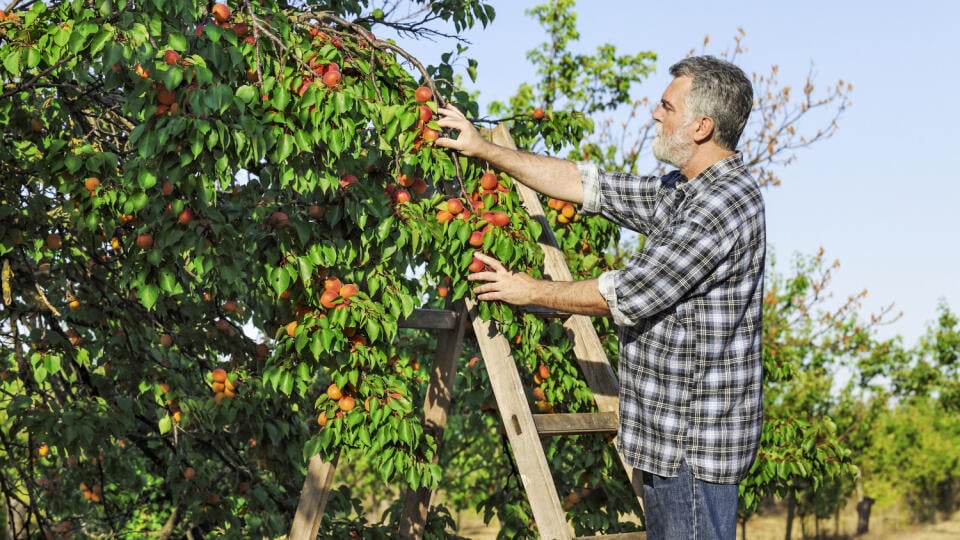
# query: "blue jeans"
{"type": "Point", "coordinates": [684, 508]}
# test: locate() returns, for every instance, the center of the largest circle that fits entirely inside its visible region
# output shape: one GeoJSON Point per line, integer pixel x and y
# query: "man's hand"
{"type": "Point", "coordinates": [498, 283]}
{"type": "Point", "coordinates": [469, 142]}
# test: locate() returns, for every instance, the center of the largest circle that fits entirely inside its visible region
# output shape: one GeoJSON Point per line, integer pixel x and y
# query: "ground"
{"type": "Point", "coordinates": [772, 527]}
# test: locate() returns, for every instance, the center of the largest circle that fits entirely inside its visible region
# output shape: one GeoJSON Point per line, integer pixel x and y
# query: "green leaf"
{"type": "Point", "coordinates": [285, 146]}
{"type": "Point", "coordinates": [148, 295]}
{"type": "Point", "coordinates": [101, 39]}
{"type": "Point", "coordinates": [12, 61]}
{"type": "Point", "coordinates": [177, 41]}
{"type": "Point", "coordinates": [146, 178]}
{"type": "Point", "coordinates": [165, 424]}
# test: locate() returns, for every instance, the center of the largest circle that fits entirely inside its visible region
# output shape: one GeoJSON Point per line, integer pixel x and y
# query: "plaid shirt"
{"type": "Point", "coordinates": [688, 310]}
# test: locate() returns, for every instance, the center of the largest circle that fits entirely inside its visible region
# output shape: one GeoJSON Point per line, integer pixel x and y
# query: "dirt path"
{"type": "Point", "coordinates": [773, 528]}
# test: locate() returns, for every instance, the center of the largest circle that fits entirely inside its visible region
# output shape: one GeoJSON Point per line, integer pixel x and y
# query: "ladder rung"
{"type": "Point", "coordinates": [430, 319]}
{"type": "Point", "coordinates": [618, 536]}
{"type": "Point", "coordinates": [545, 313]}
{"type": "Point", "coordinates": [576, 423]}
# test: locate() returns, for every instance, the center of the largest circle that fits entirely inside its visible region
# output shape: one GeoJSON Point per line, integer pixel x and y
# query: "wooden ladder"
{"type": "Point", "coordinates": [523, 428]}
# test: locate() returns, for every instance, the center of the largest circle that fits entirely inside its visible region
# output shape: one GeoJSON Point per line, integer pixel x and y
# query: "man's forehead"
{"type": "Point", "coordinates": [677, 91]}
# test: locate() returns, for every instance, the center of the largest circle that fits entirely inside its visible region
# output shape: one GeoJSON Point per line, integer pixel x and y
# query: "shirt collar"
{"type": "Point", "coordinates": [718, 170]}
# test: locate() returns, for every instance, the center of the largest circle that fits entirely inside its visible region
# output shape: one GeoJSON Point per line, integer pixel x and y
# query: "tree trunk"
{"type": "Point", "coordinates": [791, 507]}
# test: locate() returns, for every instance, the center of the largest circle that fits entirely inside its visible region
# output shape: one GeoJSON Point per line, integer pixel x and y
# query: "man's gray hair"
{"type": "Point", "coordinates": [721, 91]}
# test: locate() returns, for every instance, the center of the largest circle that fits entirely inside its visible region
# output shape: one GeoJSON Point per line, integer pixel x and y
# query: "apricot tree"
{"type": "Point", "coordinates": [211, 217]}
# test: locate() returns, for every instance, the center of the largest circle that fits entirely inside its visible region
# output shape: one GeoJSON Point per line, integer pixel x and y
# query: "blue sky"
{"type": "Point", "coordinates": [880, 196]}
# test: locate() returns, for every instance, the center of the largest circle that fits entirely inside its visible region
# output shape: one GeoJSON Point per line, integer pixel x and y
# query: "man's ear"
{"type": "Point", "coordinates": [704, 129]}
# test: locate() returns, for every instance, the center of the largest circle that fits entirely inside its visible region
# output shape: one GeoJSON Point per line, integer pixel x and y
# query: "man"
{"type": "Point", "coordinates": [687, 306]}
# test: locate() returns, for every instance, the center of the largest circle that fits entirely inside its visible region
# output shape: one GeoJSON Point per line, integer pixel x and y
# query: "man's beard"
{"type": "Point", "coordinates": [674, 149]}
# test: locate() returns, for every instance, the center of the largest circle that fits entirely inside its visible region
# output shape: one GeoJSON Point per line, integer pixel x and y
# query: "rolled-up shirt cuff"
{"type": "Point", "coordinates": [609, 292]}
{"type": "Point", "coordinates": [590, 177]}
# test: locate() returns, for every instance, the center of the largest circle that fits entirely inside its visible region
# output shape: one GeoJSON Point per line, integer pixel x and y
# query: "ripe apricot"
{"type": "Point", "coordinates": [429, 134]}
{"type": "Point", "coordinates": [185, 216]}
{"type": "Point", "coordinates": [444, 216]}
{"type": "Point", "coordinates": [144, 241]}
{"type": "Point", "coordinates": [426, 113]}
{"type": "Point", "coordinates": [334, 392]}
{"type": "Point", "coordinates": [489, 180]}
{"type": "Point", "coordinates": [347, 403]}
{"type": "Point", "coordinates": [476, 239]}
{"type": "Point", "coordinates": [476, 265]}
{"type": "Point", "coordinates": [292, 328]}
{"type": "Point", "coordinates": [500, 219]}
{"type": "Point", "coordinates": [348, 290]}
{"type": "Point", "coordinates": [332, 284]}
{"type": "Point", "coordinates": [221, 13]}
{"type": "Point", "coordinates": [54, 241]}
{"type": "Point", "coordinates": [329, 298]}
{"type": "Point", "coordinates": [401, 196]}
{"type": "Point", "coordinates": [91, 183]}
{"type": "Point", "coordinates": [331, 79]}
{"type": "Point", "coordinates": [171, 57]}
{"type": "Point", "coordinates": [419, 186]}
{"type": "Point", "coordinates": [219, 375]}
{"type": "Point", "coordinates": [543, 371]}
{"type": "Point", "coordinates": [423, 94]}
{"type": "Point", "coordinates": [455, 206]}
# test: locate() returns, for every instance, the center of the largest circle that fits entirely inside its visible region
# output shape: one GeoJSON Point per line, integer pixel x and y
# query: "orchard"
{"type": "Point", "coordinates": [216, 217]}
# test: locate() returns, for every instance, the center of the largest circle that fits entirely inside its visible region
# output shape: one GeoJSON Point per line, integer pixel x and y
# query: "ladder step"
{"type": "Point", "coordinates": [430, 319]}
{"type": "Point", "coordinates": [544, 313]}
{"type": "Point", "coordinates": [576, 423]}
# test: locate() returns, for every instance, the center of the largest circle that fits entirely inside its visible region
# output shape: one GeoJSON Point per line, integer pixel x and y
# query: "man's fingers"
{"type": "Point", "coordinates": [491, 262]}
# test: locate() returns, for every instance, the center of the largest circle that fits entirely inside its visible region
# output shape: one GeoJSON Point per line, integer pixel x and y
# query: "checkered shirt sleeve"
{"type": "Point", "coordinates": [688, 310]}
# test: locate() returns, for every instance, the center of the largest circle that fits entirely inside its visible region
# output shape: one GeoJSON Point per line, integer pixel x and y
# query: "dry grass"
{"type": "Point", "coordinates": [773, 527]}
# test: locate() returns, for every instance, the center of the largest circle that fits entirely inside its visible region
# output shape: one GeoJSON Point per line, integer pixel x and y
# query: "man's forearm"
{"type": "Point", "coordinates": [553, 177]}
{"type": "Point", "coordinates": [578, 297]}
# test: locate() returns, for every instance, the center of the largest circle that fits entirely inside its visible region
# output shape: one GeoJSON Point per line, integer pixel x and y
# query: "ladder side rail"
{"type": "Point", "coordinates": [436, 409]}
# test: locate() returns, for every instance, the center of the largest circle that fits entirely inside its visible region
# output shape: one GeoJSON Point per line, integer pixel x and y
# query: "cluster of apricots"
{"type": "Point", "coordinates": [540, 399]}
{"type": "Point", "coordinates": [345, 403]}
{"type": "Point", "coordinates": [425, 132]}
{"type": "Point", "coordinates": [335, 295]}
{"type": "Point", "coordinates": [221, 384]}
{"type": "Point", "coordinates": [566, 212]}
{"type": "Point", "coordinates": [327, 73]}
{"type": "Point", "coordinates": [167, 102]}
{"type": "Point", "coordinates": [473, 211]}
{"type": "Point", "coordinates": [406, 186]}
{"type": "Point", "coordinates": [92, 494]}
{"type": "Point", "coordinates": [223, 17]}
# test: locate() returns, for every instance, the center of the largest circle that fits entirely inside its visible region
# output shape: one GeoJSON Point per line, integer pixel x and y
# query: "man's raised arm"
{"type": "Point", "coordinates": [553, 177]}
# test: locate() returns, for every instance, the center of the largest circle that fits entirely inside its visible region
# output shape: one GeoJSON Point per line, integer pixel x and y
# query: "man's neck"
{"type": "Point", "coordinates": [703, 160]}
